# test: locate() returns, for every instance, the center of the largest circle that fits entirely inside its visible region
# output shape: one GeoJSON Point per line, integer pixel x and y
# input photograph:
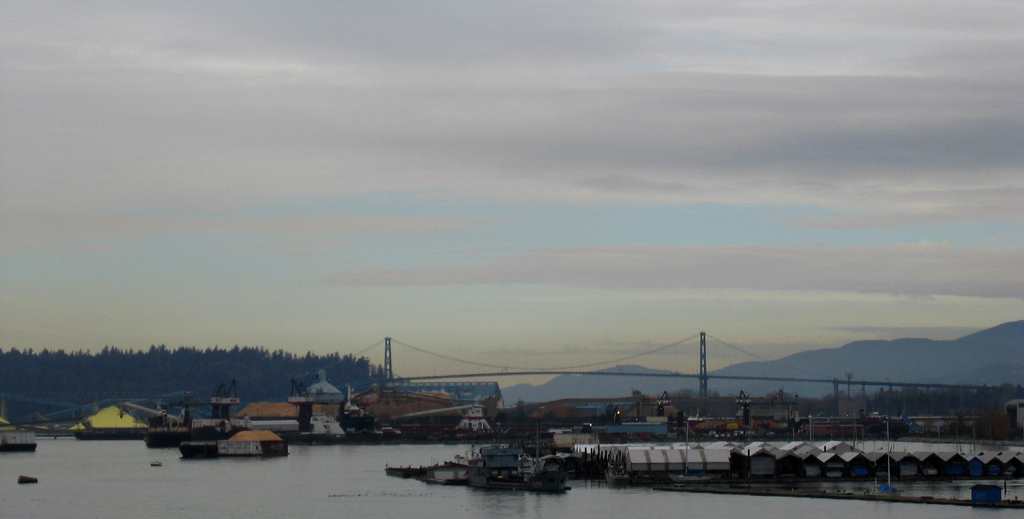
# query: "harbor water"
{"type": "Point", "coordinates": [115, 479]}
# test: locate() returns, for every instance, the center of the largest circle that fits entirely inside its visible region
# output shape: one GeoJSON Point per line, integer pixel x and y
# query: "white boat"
{"type": "Point", "coordinates": [689, 479]}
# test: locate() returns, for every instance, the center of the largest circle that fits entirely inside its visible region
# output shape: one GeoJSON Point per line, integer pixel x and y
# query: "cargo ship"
{"type": "Point", "coordinates": [310, 425]}
{"type": "Point", "coordinates": [167, 430]}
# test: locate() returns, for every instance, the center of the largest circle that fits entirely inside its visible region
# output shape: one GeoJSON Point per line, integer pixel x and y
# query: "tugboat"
{"type": "Point", "coordinates": [508, 468]}
{"type": "Point", "coordinates": [353, 419]}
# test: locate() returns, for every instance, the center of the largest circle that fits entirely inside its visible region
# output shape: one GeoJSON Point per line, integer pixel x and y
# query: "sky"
{"type": "Point", "coordinates": [523, 183]}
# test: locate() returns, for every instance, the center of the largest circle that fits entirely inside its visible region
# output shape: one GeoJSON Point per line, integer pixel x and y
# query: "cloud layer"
{"type": "Point", "coordinates": [903, 116]}
{"type": "Point", "coordinates": [233, 170]}
{"type": "Point", "coordinates": [917, 270]}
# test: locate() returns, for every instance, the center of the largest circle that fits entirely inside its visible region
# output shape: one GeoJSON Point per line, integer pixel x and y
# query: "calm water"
{"type": "Point", "coordinates": [111, 480]}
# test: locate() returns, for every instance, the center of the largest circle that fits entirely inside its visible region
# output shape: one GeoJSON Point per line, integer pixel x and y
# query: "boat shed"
{"type": "Point", "coordinates": [909, 464]}
{"type": "Point", "coordinates": [726, 445]}
{"type": "Point", "coordinates": [796, 446]}
{"type": "Point", "coordinates": [931, 463]}
{"type": "Point", "coordinates": [638, 459]}
{"type": "Point", "coordinates": [708, 460]}
{"type": "Point", "coordinates": [832, 465]}
{"type": "Point", "coordinates": [838, 447]}
{"type": "Point", "coordinates": [1013, 463]}
{"type": "Point", "coordinates": [812, 466]}
{"type": "Point", "coordinates": [761, 460]}
{"type": "Point", "coordinates": [858, 465]}
{"type": "Point", "coordinates": [657, 460]}
{"type": "Point", "coordinates": [984, 464]}
{"type": "Point", "coordinates": [675, 459]}
{"type": "Point", "coordinates": [955, 464]}
{"type": "Point", "coordinates": [788, 464]}
{"type": "Point", "coordinates": [883, 462]}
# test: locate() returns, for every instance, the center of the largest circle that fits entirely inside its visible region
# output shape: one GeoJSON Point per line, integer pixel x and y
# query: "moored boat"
{"type": "Point", "coordinates": [616, 476]}
{"type": "Point", "coordinates": [245, 443]}
{"type": "Point", "coordinates": [448, 473]}
{"type": "Point", "coordinates": [509, 468]}
{"type": "Point", "coordinates": [689, 478]}
{"type": "Point", "coordinates": [24, 441]}
{"type": "Point", "coordinates": [167, 430]}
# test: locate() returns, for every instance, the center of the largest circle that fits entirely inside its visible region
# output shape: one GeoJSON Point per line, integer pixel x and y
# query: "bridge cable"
{"type": "Point", "coordinates": [737, 348]}
{"type": "Point", "coordinates": [368, 348]}
{"type": "Point", "coordinates": [558, 368]}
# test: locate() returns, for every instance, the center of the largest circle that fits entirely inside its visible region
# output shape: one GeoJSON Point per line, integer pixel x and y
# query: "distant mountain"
{"type": "Point", "coordinates": [590, 386]}
{"type": "Point", "coordinates": [993, 356]}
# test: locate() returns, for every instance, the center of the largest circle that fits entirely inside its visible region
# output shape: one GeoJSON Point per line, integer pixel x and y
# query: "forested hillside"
{"type": "Point", "coordinates": [260, 374]}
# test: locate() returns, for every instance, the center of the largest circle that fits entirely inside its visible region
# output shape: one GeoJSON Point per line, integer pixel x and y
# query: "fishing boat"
{"type": "Point", "coordinates": [615, 474]}
{"type": "Point", "coordinates": [509, 468]}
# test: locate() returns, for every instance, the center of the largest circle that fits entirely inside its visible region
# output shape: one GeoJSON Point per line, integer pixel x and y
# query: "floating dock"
{"type": "Point", "coordinates": [892, 498]}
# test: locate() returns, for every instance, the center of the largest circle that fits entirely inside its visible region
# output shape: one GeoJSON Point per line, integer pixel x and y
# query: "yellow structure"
{"type": "Point", "coordinates": [255, 436]}
{"type": "Point", "coordinates": [109, 418]}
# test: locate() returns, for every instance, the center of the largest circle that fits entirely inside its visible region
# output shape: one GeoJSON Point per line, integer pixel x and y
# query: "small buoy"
{"type": "Point", "coordinates": [156, 464]}
{"type": "Point", "coordinates": [27, 479]}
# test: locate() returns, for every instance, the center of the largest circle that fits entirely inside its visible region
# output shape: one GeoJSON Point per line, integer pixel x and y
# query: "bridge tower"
{"type": "Point", "coordinates": [703, 366]}
{"type": "Point", "coordinates": [389, 375]}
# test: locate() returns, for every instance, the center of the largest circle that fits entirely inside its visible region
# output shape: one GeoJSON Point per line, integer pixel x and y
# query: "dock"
{"type": "Point", "coordinates": [892, 498]}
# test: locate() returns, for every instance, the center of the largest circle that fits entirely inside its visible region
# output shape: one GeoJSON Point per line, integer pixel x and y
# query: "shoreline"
{"type": "Point", "coordinates": [928, 500]}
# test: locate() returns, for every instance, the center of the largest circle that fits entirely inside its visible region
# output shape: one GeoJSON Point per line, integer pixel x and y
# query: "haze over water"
{"type": "Point", "coordinates": [114, 480]}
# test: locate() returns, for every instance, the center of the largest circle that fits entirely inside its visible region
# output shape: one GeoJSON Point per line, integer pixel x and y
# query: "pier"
{"type": "Point", "coordinates": [891, 498]}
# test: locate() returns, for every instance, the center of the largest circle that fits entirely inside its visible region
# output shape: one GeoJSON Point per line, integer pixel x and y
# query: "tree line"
{"type": "Point", "coordinates": [260, 374]}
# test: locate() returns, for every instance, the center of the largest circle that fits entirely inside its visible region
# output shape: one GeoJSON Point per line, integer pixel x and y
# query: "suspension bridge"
{"type": "Point", "coordinates": [401, 362]}
{"type": "Point", "coordinates": [675, 360]}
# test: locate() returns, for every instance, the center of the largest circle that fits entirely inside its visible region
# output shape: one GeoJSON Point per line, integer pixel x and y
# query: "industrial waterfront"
{"type": "Point", "coordinates": [116, 480]}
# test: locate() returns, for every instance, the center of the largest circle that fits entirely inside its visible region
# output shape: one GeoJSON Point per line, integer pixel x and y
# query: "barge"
{"type": "Point", "coordinates": [245, 443]}
{"type": "Point", "coordinates": [17, 441]}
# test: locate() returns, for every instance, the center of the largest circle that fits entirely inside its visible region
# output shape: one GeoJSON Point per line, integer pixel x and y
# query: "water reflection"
{"type": "Point", "coordinates": [115, 480]}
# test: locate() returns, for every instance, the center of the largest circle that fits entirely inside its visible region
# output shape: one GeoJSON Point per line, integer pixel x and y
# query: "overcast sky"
{"type": "Point", "coordinates": [492, 179]}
